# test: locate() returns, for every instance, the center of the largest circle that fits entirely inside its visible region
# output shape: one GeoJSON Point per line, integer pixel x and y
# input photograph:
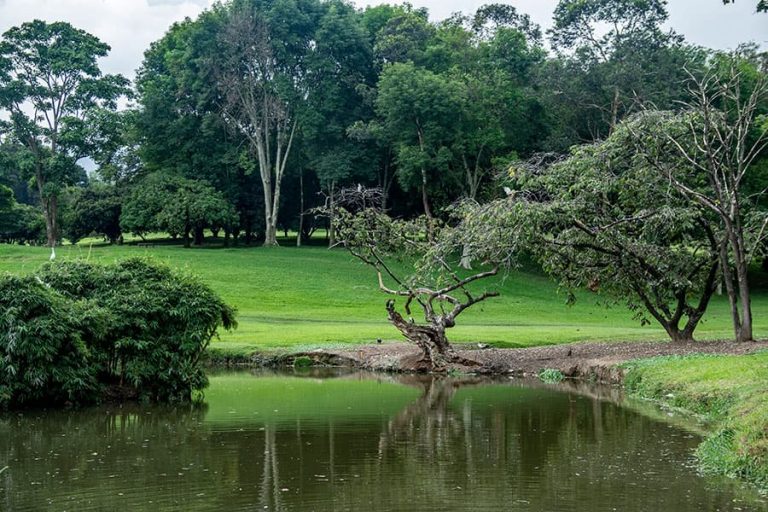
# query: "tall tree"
{"type": "Point", "coordinates": [719, 138]}
{"type": "Point", "coordinates": [418, 109]}
{"type": "Point", "coordinates": [262, 77]}
{"type": "Point", "coordinates": [613, 56]}
{"type": "Point", "coordinates": [52, 88]}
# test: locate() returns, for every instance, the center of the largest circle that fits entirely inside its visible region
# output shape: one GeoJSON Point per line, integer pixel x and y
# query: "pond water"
{"type": "Point", "coordinates": [361, 442]}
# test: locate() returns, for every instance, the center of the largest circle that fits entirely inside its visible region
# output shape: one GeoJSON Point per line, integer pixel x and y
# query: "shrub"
{"type": "Point", "coordinates": [43, 356]}
{"type": "Point", "coordinates": [138, 327]}
{"type": "Point", "coordinates": [551, 376]}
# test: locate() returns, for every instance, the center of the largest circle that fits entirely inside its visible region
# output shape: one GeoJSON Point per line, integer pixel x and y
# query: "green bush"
{"type": "Point", "coordinates": [43, 356]}
{"type": "Point", "coordinates": [134, 326]}
{"type": "Point", "coordinates": [551, 376]}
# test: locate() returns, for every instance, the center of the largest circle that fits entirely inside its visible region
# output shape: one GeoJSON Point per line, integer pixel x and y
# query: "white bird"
{"type": "Point", "coordinates": [53, 254]}
{"type": "Point", "coordinates": [508, 191]}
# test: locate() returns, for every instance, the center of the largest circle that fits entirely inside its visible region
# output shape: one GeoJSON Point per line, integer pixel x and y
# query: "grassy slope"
{"type": "Point", "coordinates": [302, 298]}
{"type": "Point", "coordinates": [730, 391]}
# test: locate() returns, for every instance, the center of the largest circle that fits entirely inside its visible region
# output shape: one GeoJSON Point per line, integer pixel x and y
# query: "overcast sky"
{"type": "Point", "coordinates": [129, 26]}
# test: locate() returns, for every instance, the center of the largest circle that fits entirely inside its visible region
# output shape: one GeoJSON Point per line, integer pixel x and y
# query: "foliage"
{"type": "Point", "coordinates": [45, 358]}
{"type": "Point", "coordinates": [54, 94]}
{"type": "Point", "coordinates": [604, 219]}
{"type": "Point", "coordinates": [613, 58]}
{"type": "Point", "coordinates": [94, 210]}
{"type": "Point", "coordinates": [24, 225]}
{"type": "Point", "coordinates": [551, 376]}
{"type": "Point", "coordinates": [75, 330]}
{"type": "Point", "coordinates": [716, 140]}
{"type": "Point", "coordinates": [176, 206]}
{"type": "Point", "coordinates": [762, 5]}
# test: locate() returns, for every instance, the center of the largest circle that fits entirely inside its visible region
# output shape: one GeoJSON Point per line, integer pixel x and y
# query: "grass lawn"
{"type": "Point", "coordinates": [296, 298]}
{"type": "Point", "coordinates": [730, 391]}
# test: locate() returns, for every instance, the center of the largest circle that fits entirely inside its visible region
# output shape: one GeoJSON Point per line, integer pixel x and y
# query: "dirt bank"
{"type": "Point", "coordinates": [596, 360]}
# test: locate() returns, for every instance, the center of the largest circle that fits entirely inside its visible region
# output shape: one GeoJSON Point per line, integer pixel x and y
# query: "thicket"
{"type": "Point", "coordinates": [78, 332]}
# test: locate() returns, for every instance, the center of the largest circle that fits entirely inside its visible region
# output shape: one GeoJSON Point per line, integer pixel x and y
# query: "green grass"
{"type": "Point", "coordinates": [730, 391]}
{"type": "Point", "coordinates": [301, 298]}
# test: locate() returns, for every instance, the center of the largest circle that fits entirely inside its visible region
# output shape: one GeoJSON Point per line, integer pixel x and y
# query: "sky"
{"type": "Point", "coordinates": [129, 26]}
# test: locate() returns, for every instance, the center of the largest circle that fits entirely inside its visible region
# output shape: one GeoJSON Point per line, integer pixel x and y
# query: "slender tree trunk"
{"type": "Point", "coordinates": [50, 212]}
{"type": "Point", "coordinates": [300, 233]}
{"type": "Point", "coordinates": [386, 183]}
{"type": "Point", "coordinates": [424, 196]}
{"type": "Point", "coordinates": [187, 228]}
{"type": "Point", "coordinates": [742, 280]}
{"type": "Point", "coordinates": [331, 219]}
{"type": "Point", "coordinates": [50, 209]}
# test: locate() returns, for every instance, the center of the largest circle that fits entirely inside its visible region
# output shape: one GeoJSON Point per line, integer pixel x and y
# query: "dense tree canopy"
{"type": "Point", "coordinates": [53, 90]}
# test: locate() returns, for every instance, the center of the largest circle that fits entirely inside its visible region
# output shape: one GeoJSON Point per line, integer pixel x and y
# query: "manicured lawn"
{"type": "Point", "coordinates": [730, 391]}
{"type": "Point", "coordinates": [296, 298]}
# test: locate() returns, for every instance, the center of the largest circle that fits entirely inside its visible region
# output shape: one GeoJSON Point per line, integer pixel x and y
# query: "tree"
{"type": "Point", "coordinates": [435, 285]}
{"type": "Point", "coordinates": [341, 68]}
{"type": "Point", "coordinates": [262, 77]}
{"type": "Point", "coordinates": [605, 220]}
{"type": "Point", "coordinates": [7, 204]}
{"type": "Point", "coordinates": [418, 109]}
{"type": "Point", "coordinates": [613, 57]}
{"type": "Point", "coordinates": [719, 137]}
{"type": "Point", "coordinates": [178, 128]}
{"type": "Point", "coordinates": [93, 210]}
{"type": "Point", "coordinates": [24, 224]}
{"type": "Point", "coordinates": [177, 206]}
{"type": "Point", "coordinates": [52, 88]}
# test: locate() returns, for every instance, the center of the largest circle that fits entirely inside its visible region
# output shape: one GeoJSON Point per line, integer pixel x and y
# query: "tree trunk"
{"type": "Point", "coordinates": [331, 220]}
{"type": "Point", "coordinates": [431, 339]}
{"type": "Point", "coordinates": [50, 211]}
{"type": "Point", "coordinates": [300, 232]}
{"type": "Point", "coordinates": [424, 196]}
{"type": "Point", "coordinates": [199, 236]}
{"type": "Point", "coordinates": [466, 258]}
{"type": "Point", "coordinates": [187, 229]}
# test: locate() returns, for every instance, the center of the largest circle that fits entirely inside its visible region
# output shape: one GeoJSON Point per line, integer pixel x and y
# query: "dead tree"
{"type": "Point", "coordinates": [376, 239]}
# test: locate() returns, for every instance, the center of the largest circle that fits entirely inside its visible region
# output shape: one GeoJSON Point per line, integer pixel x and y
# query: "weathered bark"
{"type": "Point", "coordinates": [431, 339]}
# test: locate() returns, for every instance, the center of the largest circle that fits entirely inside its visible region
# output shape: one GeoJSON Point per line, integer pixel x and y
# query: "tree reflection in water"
{"type": "Point", "coordinates": [461, 444]}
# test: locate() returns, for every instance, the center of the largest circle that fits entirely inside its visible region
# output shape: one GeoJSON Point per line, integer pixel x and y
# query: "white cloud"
{"type": "Point", "coordinates": [128, 26]}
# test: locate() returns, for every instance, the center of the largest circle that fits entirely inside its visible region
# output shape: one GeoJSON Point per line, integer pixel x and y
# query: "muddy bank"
{"type": "Point", "coordinates": [598, 361]}
{"type": "Point", "coordinates": [586, 360]}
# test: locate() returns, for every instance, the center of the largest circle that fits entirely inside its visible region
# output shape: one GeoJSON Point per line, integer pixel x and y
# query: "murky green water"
{"type": "Point", "coordinates": [360, 443]}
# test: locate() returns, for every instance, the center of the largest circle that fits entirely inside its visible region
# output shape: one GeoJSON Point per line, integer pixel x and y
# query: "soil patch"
{"type": "Point", "coordinates": [593, 360]}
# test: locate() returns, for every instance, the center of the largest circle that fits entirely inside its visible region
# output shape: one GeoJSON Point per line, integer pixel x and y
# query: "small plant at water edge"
{"type": "Point", "coordinates": [551, 376]}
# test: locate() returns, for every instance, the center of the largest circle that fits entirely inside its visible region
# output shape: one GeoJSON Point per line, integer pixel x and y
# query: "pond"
{"type": "Point", "coordinates": [362, 442]}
